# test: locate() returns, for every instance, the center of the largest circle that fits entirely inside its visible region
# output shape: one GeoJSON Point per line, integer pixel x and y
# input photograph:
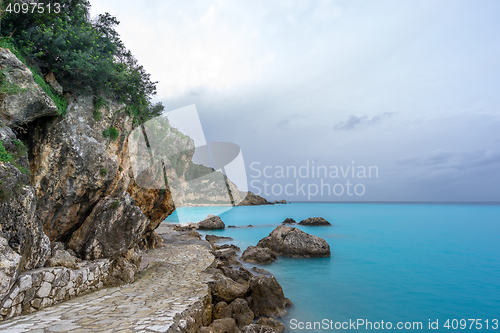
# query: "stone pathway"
{"type": "Point", "coordinates": [171, 283]}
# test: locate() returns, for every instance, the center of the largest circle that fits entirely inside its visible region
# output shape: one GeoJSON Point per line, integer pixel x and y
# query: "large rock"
{"type": "Point", "coordinates": [26, 101]}
{"type": "Point", "coordinates": [314, 221]}
{"type": "Point", "coordinates": [19, 221]}
{"type": "Point", "coordinates": [261, 255]}
{"type": "Point", "coordinates": [225, 289]}
{"type": "Point", "coordinates": [74, 166]}
{"type": "Point", "coordinates": [289, 221]}
{"type": "Point", "coordinates": [211, 222]}
{"type": "Point", "coordinates": [114, 226]}
{"type": "Point", "coordinates": [293, 242]}
{"type": "Point", "coordinates": [241, 313]}
{"type": "Point", "coordinates": [267, 298]}
{"type": "Point", "coordinates": [10, 263]}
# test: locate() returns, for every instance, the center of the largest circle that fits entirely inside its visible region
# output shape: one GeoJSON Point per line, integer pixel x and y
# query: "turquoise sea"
{"type": "Point", "coordinates": [396, 263]}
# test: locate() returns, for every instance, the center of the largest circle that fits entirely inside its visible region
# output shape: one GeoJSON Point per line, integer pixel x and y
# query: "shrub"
{"type": "Point", "coordinates": [4, 155]}
{"type": "Point", "coordinates": [86, 55]}
{"type": "Point", "coordinates": [99, 102]}
{"type": "Point", "coordinates": [111, 133]}
{"type": "Point", "coordinates": [115, 204]}
{"type": "Point", "coordinates": [97, 115]}
{"type": "Point", "coordinates": [103, 172]}
{"type": "Point", "coordinates": [22, 150]}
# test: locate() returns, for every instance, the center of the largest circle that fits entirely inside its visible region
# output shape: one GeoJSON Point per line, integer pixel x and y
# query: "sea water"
{"type": "Point", "coordinates": [402, 264]}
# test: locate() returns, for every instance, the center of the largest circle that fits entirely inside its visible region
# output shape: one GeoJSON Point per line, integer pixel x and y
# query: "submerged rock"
{"type": "Point", "coordinates": [261, 255]}
{"type": "Point", "coordinates": [215, 238]}
{"type": "Point", "coordinates": [211, 222]}
{"type": "Point", "coordinates": [289, 241]}
{"type": "Point", "coordinates": [315, 221]}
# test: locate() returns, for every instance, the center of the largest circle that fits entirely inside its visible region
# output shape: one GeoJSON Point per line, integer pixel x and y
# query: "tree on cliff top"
{"type": "Point", "coordinates": [86, 55]}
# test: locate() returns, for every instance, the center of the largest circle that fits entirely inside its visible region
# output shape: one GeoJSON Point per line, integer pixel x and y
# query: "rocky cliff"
{"type": "Point", "coordinates": [63, 180]}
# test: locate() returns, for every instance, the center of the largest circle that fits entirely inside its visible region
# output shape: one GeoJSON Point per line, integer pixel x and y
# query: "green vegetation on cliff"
{"type": "Point", "coordinates": [85, 55]}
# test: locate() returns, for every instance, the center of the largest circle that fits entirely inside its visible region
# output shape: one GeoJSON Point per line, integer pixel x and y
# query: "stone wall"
{"type": "Point", "coordinates": [43, 287]}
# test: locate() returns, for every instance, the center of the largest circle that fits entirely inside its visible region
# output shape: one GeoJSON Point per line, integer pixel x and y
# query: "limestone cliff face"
{"type": "Point", "coordinates": [74, 166]}
{"type": "Point", "coordinates": [20, 225]}
{"type": "Point", "coordinates": [156, 205]}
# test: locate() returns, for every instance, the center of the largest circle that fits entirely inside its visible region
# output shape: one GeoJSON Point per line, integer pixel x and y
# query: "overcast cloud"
{"type": "Point", "coordinates": [408, 86]}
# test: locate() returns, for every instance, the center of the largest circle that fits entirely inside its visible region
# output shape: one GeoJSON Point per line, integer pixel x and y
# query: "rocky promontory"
{"type": "Point", "coordinates": [64, 179]}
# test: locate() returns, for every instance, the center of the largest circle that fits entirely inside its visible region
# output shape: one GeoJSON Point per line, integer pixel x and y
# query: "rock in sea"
{"type": "Point", "coordinates": [211, 222]}
{"type": "Point", "coordinates": [314, 221]}
{"type": "Point", "coordinates": [261, 255]}
{"type": "Point", "coordinates": [292, 242]}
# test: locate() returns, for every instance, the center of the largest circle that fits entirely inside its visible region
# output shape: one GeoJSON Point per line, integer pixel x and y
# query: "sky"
{"type": "Point", "coordinates": [409, 88]}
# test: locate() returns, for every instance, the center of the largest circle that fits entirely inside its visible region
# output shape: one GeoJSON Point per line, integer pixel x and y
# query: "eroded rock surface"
{"type": "Point", "coordinates": [19, 221]}
{"type": "Point", "coordinates": [74, 166]}
{"type": "Point", "coordinates": [114, 226]}
{"type": "Point", "coordinates": [27, 101]}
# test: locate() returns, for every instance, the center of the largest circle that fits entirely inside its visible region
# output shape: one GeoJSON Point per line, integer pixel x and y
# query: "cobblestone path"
{"type": "Point", "coordinates": [169, 285]}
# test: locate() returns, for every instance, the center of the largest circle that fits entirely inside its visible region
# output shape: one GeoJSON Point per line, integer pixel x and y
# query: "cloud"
{"type": "Point", "coordinates": [442, 159]}
{"type": "Point", "coordinates": [355, 121]}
